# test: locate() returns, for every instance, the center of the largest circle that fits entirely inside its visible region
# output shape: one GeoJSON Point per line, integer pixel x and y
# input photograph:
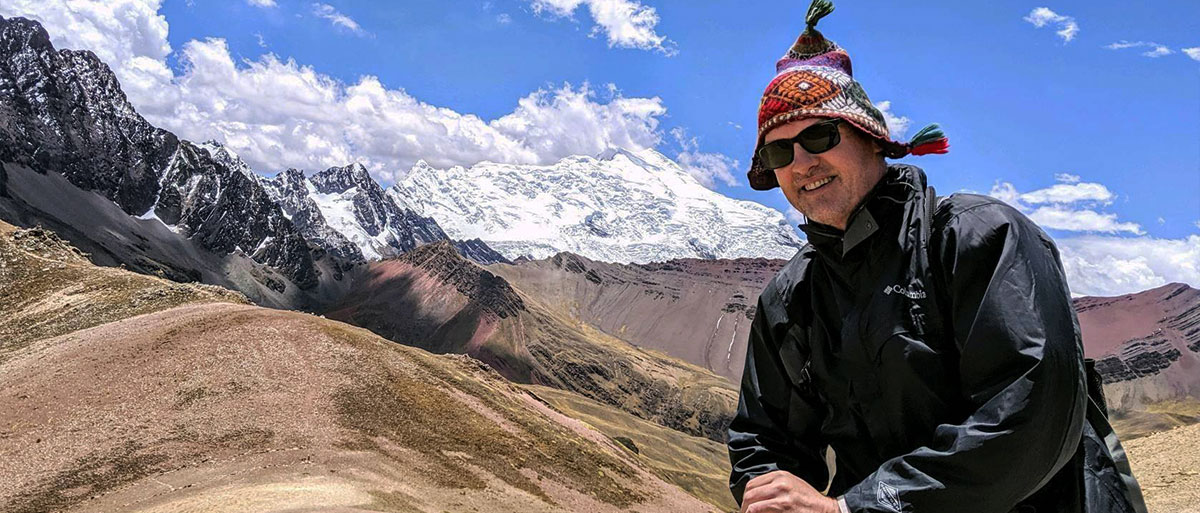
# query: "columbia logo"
{"type": "Point", "coordinates": [909, 292]}
{"type": "Point", "coordinates": [888, 497]}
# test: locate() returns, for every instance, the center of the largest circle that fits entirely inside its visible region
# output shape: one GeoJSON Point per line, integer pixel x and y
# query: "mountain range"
{"type": "Point", "coordinates": [196, 212]}
{"type": "Point", "coordinates": [619, 206]}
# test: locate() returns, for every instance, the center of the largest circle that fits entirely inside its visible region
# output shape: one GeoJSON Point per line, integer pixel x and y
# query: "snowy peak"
{"type": "Point", "coordinates": [227, 157]}
{"type": "Point", "coordinates": [340, 179]}
{"type": "Point", "coordinates": [348, 213]}
{"type": "Point", "coordinates": [621, 206]}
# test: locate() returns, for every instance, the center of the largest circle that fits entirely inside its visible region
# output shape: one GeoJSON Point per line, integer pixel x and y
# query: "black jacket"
{"type": "Point", "coordinates": [934, 347]}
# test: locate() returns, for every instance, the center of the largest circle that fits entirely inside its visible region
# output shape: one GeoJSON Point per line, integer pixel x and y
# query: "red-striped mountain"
{"type": "Point", "coordinates": [1146, 344]}
{"type": "Point", "coordinates": [435, 299]}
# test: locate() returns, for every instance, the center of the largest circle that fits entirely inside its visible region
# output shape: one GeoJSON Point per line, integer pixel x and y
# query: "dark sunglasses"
{"type": "Point", "coordinates": [817, 138]}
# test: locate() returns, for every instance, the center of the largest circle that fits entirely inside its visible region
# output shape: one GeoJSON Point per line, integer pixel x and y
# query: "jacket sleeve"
{"type": "Point", "coordinates": [774, 428]}
{"type": "Point", "coordinates": [1021, 370]}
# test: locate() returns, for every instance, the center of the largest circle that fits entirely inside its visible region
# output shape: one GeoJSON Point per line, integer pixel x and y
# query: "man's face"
{"type": "Point", "coordinates": [855, 165]}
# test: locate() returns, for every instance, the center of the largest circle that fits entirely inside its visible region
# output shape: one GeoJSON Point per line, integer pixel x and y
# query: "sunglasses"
{"type": "Point", "coordinates": [817, 138]}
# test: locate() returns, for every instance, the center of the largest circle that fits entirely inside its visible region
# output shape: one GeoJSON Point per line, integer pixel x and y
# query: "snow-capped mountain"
{"type": "Point", "coordinates": [172, 207]}
{"type": "Point", "coordinates": [620, 206]}
{"type": "Point", "coordinates": [354, 204]}
{"type": "Point", "coordinates": [347, 213]}
{"type": "Point", "coordinates": [290, 190]}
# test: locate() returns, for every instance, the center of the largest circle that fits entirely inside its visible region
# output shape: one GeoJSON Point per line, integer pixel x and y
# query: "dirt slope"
{"type": "Point", "coordinates": [1167, 465]}
{"type": "Point", "coordinates": [228, 407]}
{"type": "Point", "coordinates": [50, 288]}
{"type": "Point", "coordinates": [435, 299]}
{"type": "Point", "coordinates": [696, 310]}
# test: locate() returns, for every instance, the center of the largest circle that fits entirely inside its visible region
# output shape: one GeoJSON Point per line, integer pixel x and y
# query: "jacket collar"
{"type": "Point", "coordinates": [885, 203]}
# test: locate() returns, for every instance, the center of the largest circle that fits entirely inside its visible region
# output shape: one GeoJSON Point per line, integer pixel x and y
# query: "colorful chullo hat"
{"type": "Point", "coordinates": [814, 78]}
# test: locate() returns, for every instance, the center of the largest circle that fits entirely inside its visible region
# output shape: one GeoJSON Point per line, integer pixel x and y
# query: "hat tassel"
{"type": "Point", "coordinates": [930, 139]}
{"type": "Point", "coordinates": [817, 10]}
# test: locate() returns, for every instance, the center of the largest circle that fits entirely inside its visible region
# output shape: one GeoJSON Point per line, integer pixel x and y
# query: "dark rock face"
{"type": "Point", "coordinates": [228, 210]}
{"type": "Point", "coordinates": [64, 111]}
{"type": "Point", "coordinates": [1138, 358]}
{"type": "Point", "coordinates": [290, 191]}
{"type": "Point", "coordinates": [442, 260]}
{"type": "Point", "coordinates": [402, 229]}
{"type": "Point", "coordinates": [479, 251]}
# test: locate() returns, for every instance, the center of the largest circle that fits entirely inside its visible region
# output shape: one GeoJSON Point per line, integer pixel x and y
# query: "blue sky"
{"type": "Point", "coordinates": [1076, 122]}
{"type": "Point", "coordinates": [1019, 103]}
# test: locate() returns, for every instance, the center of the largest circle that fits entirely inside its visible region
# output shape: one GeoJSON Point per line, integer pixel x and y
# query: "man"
{"type": "Point", "coordinates": [932, 346]}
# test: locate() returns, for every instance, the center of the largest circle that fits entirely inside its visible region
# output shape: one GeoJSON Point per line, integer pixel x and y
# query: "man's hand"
{"type": "Point", "coordinates": [782, 492]}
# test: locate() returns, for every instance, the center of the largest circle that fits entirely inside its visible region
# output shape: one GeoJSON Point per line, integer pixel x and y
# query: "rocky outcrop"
{"type": "Point", "coordinates": [479, 251]}
{"type": "Point", "coordinates": [443, 261]}
{"type": "Point", "coordinates": [64, 111]}
{"type": "Point", "coordinates": [227, 210]}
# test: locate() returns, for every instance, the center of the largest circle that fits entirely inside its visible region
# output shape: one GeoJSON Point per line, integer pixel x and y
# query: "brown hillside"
{"type": "Point", "coordinates": [434, 299]}
{"type": "Point", "coordinates": [696, 310]}
{"type": "Point", "coordinates": [224, 407]}
{"type": "Point", "coordinates": [50, 288]}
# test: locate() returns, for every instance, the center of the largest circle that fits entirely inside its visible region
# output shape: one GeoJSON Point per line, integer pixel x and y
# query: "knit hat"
{"type": "Point", "coordinates": [814, 78]}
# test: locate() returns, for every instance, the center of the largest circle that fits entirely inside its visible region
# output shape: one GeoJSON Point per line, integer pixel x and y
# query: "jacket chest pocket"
{"type": "Point", "coordinates": [797, 361]}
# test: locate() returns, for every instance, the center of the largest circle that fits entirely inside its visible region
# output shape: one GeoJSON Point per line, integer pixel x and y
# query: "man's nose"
{"type": "Point", "coordinates": [802, 161]}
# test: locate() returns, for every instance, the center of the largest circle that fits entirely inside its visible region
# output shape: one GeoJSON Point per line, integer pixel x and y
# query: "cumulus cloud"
{"type": "Point", "coordinates": [1098, 253]}
{"type": "Point", "coordinates": [1156, 50]}
{"type": "Point", "coordinates": [261, 3]}
{"type": "Point", "coordinates": [1042, 16]}
{"type": "Point", "coordinates": [277, 113]}
{"type": "Point", "coordinates": [1081, 220]}
{"type": "Point", "coordinates": [1066, 178]}
{"type": "Point", "coordinates": [1069, 193]}
{"type": "Point", "coordinates": [707, 168]}
{"type": "Point", "coordinates": [1193, 52]}
{"type": "Point", "coordinates": [626, 23]}
{"type": "Point", "coordinates": [1069, 206]}
{"type": "Point", "coordinates": [897, 125]}
{"type": "Point", "coordinates": [338, 19]}
{"type": "Point", "coordinates": [1109, 266]}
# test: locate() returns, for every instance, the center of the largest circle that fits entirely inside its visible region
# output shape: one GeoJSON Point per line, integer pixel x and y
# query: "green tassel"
{"type": "Point", "coordinates": [817, 10]}
{"type": "Point", "coordinates": [931, 132]}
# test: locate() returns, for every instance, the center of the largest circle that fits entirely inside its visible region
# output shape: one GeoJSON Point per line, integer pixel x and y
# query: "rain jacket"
{"type": "Point", "coordinates": [934, 347]}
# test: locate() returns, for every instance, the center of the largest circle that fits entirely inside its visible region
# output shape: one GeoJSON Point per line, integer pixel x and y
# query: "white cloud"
{"type": "Point", "coordinates": [1156, 50]}
{"type": "Point", "coordinates": [328, 12]}
{"type": "Point", "coordinates": [1066, 206]}
{"type": "Point", "coordinates": [1109, 266]}
{"type": "Point", "coordinates": [707, 168]}
{"type": "Point", "coordinates": [261, 3]}
{"type": "Point", "coordinates": [277, 113]}
{"type": "Point", "coordinates": [626, 23]}
{"type": "Point", "coordinates": [1042, 16]}
{"type": "Point", "coordinates": [262, 41]}
{"type": "Point", "coordinates": [1081, 220]}
{"type": "Point", "coordinates": [1069, 193]}
{"type": "Point", "coordinates": [1193, 52]}
{"type": "Point", "coordinates": [503, 18]}
{"type": "Point", "coordinates": [897, 125]}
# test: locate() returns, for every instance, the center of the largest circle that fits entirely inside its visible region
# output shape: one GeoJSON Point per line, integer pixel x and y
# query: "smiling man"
{"type": "Point", "coordinates": [932, 345]}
